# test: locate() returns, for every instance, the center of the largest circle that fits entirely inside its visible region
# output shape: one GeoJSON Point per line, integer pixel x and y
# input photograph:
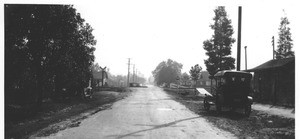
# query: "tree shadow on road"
{"type": "Point", "coordinates": [233, 115]}
{"type": "Point", "coordinates": [195, 103]}
{"type": "Point", "coordinates": [160, 99]}
{"type": "Point", "coordinates": [154, 127]}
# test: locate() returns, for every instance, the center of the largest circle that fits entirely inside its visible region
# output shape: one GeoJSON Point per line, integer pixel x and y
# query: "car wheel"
{"type": "Point", "coordinates": [206, 105]}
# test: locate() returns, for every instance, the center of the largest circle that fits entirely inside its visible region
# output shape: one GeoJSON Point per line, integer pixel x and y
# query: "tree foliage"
{"type": "Point", "coordinates": [185, 78]}
{"type": "Point", "coordinates": [285, 44]}
{"type": "Point", "coordinates": [167, 72]}
{"type": "Point", "coordinates": [117, 80]}
{"type": "Point", "coordinates": [47, 48]}
{"type": "Point", "coordinates": [219, 46]}
{"type": "Point", "coordinates": [195, 72]}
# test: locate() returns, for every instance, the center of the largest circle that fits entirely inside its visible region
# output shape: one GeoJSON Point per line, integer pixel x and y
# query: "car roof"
{"type": "Point", "coordinates": [232, 73]}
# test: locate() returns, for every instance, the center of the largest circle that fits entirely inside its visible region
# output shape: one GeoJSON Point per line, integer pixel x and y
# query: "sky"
{"type": "Point", "coordinates": [150, 32]}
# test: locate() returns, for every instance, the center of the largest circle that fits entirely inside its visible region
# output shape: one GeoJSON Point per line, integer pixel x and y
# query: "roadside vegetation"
{"type": "Point", "coordinates": [49, 64]}
{"type": "Point", "coordinates": [58, 116]}
{"type": "Point", "coordinates": [257, 125]}
{"type": "Point", "coordinates": [167, 72]}
{"type": "Point", "coordinates": [49, 51]}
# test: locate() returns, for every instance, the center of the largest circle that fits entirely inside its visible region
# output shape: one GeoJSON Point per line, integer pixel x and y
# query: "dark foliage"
{"type": "Point", "coordinates": [47, 48]}
{"type": "Point", "coordinates": [219, 46]}
{"type": "Point", "coordinates": [285, 42]}
{"type": "Point", "coordinates": [195, 72]}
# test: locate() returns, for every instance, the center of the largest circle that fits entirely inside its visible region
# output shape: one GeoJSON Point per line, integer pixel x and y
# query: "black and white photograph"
{"type": "Point", "coordinates": [149, 69]}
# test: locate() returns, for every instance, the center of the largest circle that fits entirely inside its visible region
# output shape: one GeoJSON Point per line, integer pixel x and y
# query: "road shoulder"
{"type": "Point", "coordinates": [258, 125]}
{"type": "Point", "coordinates": [48, 122]}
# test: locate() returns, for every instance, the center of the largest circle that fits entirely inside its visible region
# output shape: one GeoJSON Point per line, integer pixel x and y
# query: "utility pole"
{"type": "Point", "coordinates": [246, 57]}
{"type": "Point", "coordinates": [137, 76]}
{"type": "Point", "coordinates": [273, 47]}
{"type": "Point", "coordinates": [128, 72]}
{"type": "Point", "coordinates": [238, 65]}
{"type": "Point", "coordinates": [133, 72]}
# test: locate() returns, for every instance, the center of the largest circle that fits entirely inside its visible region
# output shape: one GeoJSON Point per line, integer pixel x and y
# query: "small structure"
{"type": "Point", "coordinates": [99, 77]}
{"type": "Point", "coordinates": [186, 83]}
{"type": "Point", "coordinates": [274, 82]}
{"type": "Point", "coordinates": [204, 80]}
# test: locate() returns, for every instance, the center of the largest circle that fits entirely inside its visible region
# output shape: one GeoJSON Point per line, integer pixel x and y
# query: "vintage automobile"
{"type": "Point", "coordinates": [230, 89]}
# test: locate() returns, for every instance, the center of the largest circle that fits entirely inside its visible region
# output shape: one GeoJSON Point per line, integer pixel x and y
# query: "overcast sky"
{"type": "Point", "coordinates": [149, 32]}
{"type": "Point", "coordinates": [152, 31]}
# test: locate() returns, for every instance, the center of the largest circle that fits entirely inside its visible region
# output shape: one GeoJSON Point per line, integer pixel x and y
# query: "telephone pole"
{"type": "Point", "coordinates": [273, 47]}
{"type": "Point", "coordinates": [137, 76]}
{"type": "Point", "coordinates": [239, 39]}
{"type": "Point", "coordinates": [246, 57]}
{"type": "Point", "coordinates": [128, 72]}
{"type": "Point", "coordinates": [133, 73]}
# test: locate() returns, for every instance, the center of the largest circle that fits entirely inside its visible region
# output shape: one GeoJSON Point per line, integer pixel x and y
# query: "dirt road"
{"type": "Point", "coordinates": [147, 113]}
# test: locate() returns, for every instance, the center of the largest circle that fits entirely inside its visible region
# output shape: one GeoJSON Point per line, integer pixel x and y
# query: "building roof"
{"type": "Point", "coordinates": [273, 64]}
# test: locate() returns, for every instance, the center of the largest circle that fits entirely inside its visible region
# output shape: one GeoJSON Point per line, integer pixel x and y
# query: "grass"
{"type": "Point", "coordinates": [18, 125]}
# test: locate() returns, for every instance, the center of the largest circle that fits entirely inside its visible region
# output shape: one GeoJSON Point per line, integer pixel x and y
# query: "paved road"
{"type": "Point", "coordinates": [147, 113]}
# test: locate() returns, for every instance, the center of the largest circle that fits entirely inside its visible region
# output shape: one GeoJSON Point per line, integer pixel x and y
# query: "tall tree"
{"type": "Point", "coordinates": [219, 46]}
{"type": "Point", "coordinates": [167, 72]}
{"type": "Point", "coordinates": [46, 47]}
{"type": "Point", "coordinates": [285, 44]}
{"type": "Point", "coordinates": [195, 73]}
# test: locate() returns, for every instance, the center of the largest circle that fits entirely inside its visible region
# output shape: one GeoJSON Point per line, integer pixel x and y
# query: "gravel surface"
{"type": "Point", "coordinates": [146, 113]}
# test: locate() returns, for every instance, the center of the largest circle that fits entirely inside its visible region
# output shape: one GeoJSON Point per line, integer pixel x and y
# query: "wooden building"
{"type": "Point", "coordinates": [274, 82]}
{"type": "Point", "coordinates": [204, 80]}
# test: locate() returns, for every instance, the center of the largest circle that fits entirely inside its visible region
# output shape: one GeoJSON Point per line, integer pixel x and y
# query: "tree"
{"type": "Point", "coordinates": [285, 44]}
{"type": "Point", "coordinates": [219, 46]}
{"type": "Point", "coordinates": [47, 47]}
{"type": "Point", "coordinates": [167, 72]}
{"type": "Point", "coordinates": [195, 73]}
{"type": "Point", "coordinates": [116, 80]}
{"type": "Point", "coordinates": [185, 78]}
